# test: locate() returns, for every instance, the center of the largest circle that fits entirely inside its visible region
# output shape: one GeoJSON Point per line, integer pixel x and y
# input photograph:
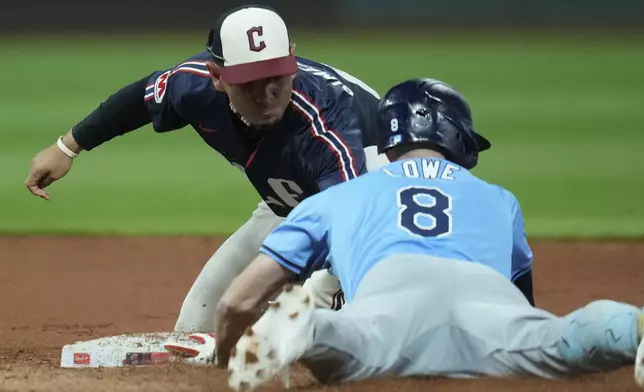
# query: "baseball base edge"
{"type": "Point", "coordinates": [145, 349]}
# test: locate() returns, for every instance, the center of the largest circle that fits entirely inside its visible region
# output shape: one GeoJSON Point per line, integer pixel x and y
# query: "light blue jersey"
{"type": "Point", "coordinates": [428, 206]}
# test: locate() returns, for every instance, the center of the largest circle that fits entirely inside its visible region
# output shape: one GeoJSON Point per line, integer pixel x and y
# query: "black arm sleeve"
{"type": "Point", "coordinates": [122, 112]}
{"type": "Point", "coordinates": [524, 283]}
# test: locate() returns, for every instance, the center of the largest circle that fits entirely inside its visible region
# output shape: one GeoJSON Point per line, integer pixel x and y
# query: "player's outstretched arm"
{"type": "Point", "coordinates": [291, 250]}
{"type": "Point", "coordinates": [122, 112]}
{"type": "Point", "coordinates": [243, 300]}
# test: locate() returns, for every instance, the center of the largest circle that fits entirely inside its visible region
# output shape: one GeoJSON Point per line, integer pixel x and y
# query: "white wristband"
{"type": "Point", "coordinates": [64, 148]}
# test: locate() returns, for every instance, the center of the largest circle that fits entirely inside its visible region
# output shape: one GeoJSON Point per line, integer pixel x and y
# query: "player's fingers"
{"type": "Point", "coordinates": [37, 191]}
{"type": "Point", "coordinates": [33, 184]}
{"type": "Point", "coordinates": [44, 194]}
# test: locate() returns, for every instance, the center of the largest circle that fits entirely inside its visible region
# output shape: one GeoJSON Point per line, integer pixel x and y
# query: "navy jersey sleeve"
{"type": "Point", "coordinates": [521, 252]}
{"type": "Point", "coordinates": [299, 243]}
{"type": "Point", "coordinates": [168, 94]}
{"type": "Point", "coordinates": [335, 151]}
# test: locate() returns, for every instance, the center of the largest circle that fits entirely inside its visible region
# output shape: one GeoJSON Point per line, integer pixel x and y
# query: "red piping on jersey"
{"type": "Point", "coordinates": [204, 74]}
{"type": "Point", "coordinates": [337, 155]}
{"type": "Point", "coordinates": [251, 157]}
{"type": "Point", "coordinates": [191, 62]}
{"type": "Point", "coordinates": [325, 129]}
{"type": "Point", "coordinates": [189, 67]}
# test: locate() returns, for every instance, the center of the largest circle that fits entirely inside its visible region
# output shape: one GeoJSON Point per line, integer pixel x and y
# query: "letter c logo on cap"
{"type": "Point", "coordinates": [254, 43]}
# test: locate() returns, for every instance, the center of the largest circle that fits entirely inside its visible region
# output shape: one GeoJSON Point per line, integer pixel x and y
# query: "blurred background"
{"type": "Point", "coordinates": [557, 85]}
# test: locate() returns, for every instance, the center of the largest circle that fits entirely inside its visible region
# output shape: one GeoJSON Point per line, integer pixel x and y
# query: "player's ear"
{"type": "Point", "coordinates": [215, 75]}
{"type": "Point", "coordinates": [292, 49]}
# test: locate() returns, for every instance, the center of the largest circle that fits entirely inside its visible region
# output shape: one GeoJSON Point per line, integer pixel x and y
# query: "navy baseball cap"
{"type": "Point", "coordinates": [250, 43]}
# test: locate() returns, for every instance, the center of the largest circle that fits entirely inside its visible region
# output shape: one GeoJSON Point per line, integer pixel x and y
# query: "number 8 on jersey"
{"type": "Point", "coordinates": [418, 205]}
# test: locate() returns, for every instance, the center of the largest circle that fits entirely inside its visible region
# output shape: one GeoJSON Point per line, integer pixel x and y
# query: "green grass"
{"type": "Point", "coordinates": [564, 114]}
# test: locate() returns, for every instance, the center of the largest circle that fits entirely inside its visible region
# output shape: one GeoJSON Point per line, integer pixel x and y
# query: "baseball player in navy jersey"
{"type": "Point", "coordinates": [294, 126]}
{"type": "Point", "coordinates": [425, 252]}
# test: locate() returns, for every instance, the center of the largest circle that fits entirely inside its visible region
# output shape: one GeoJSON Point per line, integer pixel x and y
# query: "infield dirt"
{"type": "Point", "coordinates": [58, 290]}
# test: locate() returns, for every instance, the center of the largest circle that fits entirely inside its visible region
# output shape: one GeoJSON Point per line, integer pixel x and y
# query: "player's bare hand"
{"type": "Point", "coordinates": [47, 166]}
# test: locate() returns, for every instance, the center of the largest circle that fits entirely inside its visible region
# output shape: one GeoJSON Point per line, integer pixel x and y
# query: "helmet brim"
{"type": "Point", "coordinates": [482, 142]}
